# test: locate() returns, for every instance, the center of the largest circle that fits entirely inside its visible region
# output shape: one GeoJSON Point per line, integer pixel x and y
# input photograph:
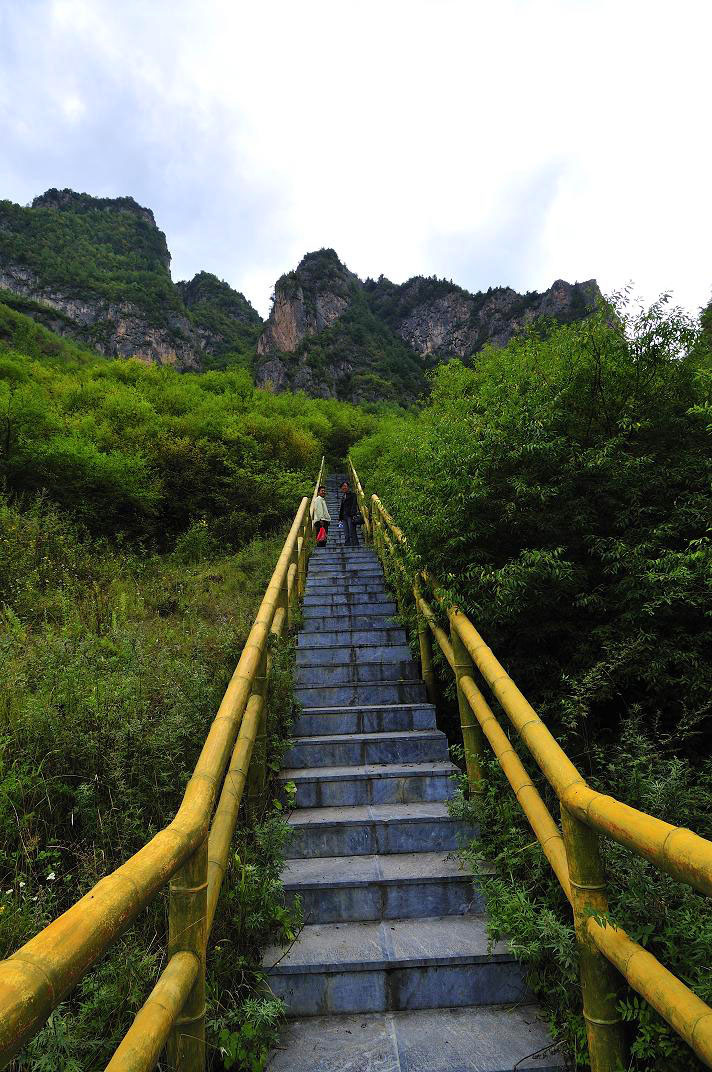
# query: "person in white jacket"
{"type": "Point", "coordinates": [320, 512]}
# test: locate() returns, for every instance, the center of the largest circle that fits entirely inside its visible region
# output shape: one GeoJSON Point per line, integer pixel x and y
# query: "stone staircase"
{"type": "Point", "coordinates": [392, 970]}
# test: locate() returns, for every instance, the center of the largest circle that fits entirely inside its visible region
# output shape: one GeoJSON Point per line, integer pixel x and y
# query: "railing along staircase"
{"type": "Point", "coordinates": [191, 852]}
{"type": "Point", "coordinates": [572, 850]}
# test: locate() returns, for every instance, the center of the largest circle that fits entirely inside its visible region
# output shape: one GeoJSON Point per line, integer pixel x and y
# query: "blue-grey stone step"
{"type": "Point", "coordinates": [371, 608]}
{"type": "Point", "coordinates": [327, 599]}
{"type": "Point", "coordinates": [393, 965]}
{"type": "Point", "coordinates": [364, 719]}
{"type": "Point", "coordinates": [342, 586]}
{"type": "Point", "coordinates": [343, 889]}
{"type": "Point", "coordinates": [347, 560]}
{"type": "Point", "coordinates": [358, 673]}
{"type": "Point", "coordinates": [338, 655]}
{"type": "Point", "coordinates": [356, 749]}
{"type": "Point", "coordinates": [356, 638]}
{"type": "Point", "coordinates": [373, 693]}
{"type": "Point", "coordinates": [486, 1038]}
{"type": "Point", "coordinates": [374, 828]}
{"type": "Point", "coordinates": [388, 783]}
{"type": "Point", "coordinates": [350, 575]}
{"type": "Point", "coordinates": [321, 623]}
{"type": "Point", "coordinates": [350, 561]}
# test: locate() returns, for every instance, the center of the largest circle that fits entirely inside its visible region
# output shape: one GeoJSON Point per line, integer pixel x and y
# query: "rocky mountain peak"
{"type": "Point", "coordinates": [205, 288]}
{"type": "Point", "coordinates": [98, 269]}
{"type": "Point", "coordinates": [70, 200]}
{"type": "Point", "coordinates": [307, 300]}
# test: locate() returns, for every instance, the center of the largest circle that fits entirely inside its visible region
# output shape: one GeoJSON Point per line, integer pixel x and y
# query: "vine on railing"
{"type": "Point", "coordinates": [191, 853]}
{"type": "Point", "coordinates": [572, 848]}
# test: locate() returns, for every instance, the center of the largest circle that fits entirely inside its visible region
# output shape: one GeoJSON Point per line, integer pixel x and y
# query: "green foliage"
{"type": "Point", "coordinates": [226, 319]}
{"type": "Point", "coordinates": [560, 491]}
{"type": "Point", "coordinates": [382, 365]}
{"type": "Point", "coordinates": [146, 451]}
{"type": "Point", "coordinates": [114, 663]}
{"type": "Point", "coordinates": [89, 247]}
{"type": "Point", "coordinates": [109, 252]}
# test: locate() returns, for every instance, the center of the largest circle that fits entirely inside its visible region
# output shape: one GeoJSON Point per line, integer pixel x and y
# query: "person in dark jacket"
{"type": "Point", "coordinates": [347, 513]}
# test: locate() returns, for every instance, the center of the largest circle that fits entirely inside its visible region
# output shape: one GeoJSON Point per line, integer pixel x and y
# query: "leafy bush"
{"type": "Point", "coordinates": [114, 663]}
{"type": "Point", "coordinates": [146, 452]}
{"type": "Point", "coordinates": [560, 491]}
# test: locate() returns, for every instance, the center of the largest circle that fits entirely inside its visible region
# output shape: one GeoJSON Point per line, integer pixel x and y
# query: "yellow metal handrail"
{"type": "Point", "coordinates": [191, 853]}
{"type": "Point", "coordinates": [572, 848]}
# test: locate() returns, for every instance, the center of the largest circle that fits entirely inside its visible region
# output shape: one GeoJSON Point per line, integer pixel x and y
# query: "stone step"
{"type": "Point", "coordinates": [343, 586]}
{"type": "Point", "coordinates": [343, 654]}
{"type": "Point", "coordinates": [371, 608]}
{"type": "Point", "coordinates": [427, 963]}
{"type": "Point", "coordinates": [372, 693]}
{"type": "Point", "coordinates": [357, 749]}
{"type": "Point", "coordinates": [359, 673]}
{"type": "Point", "coordinates": [348, 575]}
{"type": "Point", "coordinates": [387, 783]}
{"type": "Point", "coordinates": [344, 889]}
{"type": "Point", "coordinates": [340, 622]}
{"type": "Point", "coordinates": [327, 600]}
{"type": "Point", "coordinates": [352, 638]}
{"type": "Point", "coordinates": [325, 560]}
{"type": "Point", "coordinates": [316, 722]}
{"type": "Point", "coordinates": [486, 1038]}
{"type": "Point", "coordinates": [339, 553]}
{"type": "Point", "coordinates": [367, 829]}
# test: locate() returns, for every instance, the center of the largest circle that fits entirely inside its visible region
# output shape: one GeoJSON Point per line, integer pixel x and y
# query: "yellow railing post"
{"type": "Point", "coordinates": [257, 771]}
{"type": "Point", "coordinates": [302, 544]}
{"type": "Point", "coordinates": [376, 529]}
{"type": "Point", "coordinates": [472, 737]}
{"type": "Point", "coordinates": [425, 642]}
{"type": "Point", "coordinates": [186, 933]}
{"type": "Point", "coordinates": [599, 979]}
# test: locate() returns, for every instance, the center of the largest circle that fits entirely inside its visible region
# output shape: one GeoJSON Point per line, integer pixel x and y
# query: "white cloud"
{"type": "Point", "coordinates": [512, 142]}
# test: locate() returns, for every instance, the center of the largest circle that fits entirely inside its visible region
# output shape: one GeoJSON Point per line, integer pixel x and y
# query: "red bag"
{"type": "Point", "coordinates": [321, 535]}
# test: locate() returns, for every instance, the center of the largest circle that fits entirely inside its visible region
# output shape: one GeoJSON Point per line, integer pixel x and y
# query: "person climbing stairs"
{"type": "Point", "coordinates": [392, 970]}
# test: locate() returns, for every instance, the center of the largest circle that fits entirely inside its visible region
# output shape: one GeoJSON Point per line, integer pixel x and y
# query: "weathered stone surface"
{"type": "Point", "coordinates": [435, 319]}
{"type": "Point", "coordinates": [446, 321]}
{"type": "Point", "coordinates": [170, 328]}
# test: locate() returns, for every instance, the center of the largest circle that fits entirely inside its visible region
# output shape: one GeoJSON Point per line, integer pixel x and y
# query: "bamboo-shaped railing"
{"type": "Point", "coordinates": [571, 848]}
{"type": "Point", "coordinates": [191, 853]}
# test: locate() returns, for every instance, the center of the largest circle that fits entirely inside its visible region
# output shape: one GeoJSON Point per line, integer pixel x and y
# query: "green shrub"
{"type": "Point", "coordinates": [559, 490]}
{"type": "Point", "coordinates": [114, 663]}
{"type": "Point", "coordinates": [147, 452]}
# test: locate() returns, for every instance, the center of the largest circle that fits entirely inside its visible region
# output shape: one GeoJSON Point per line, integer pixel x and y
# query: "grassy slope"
{"type": "Point", "coordinates": [122, 614]}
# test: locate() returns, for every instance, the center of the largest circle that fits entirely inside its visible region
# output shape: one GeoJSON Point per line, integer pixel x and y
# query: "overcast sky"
{"type": "Point", "coordinates": [509, 142]}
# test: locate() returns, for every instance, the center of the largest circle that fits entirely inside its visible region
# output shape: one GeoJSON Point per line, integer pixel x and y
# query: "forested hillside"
{"type": "Point", "coordinates": [141, 515]}
{"type": "Point", "coordinates": [560, 491]}
{"type": "Point", "coordinates": [146, 451]}
{"type": "Point", "coordinates": [553, 471]}
{"type": "Point", "coordinates": [98, 270]}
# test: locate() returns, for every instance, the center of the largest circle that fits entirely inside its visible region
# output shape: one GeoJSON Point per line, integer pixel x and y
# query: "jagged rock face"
{"type": "Point", "coordinates": [306, 301]}
{"type": "Point", "coordinates": [116, 329]}
{"type": "Point", "coordinates": [440, 319]}
{"type": "Point", "coordinates": [102, 265]}
{"type": "Point", "coordinates": [363, 357]}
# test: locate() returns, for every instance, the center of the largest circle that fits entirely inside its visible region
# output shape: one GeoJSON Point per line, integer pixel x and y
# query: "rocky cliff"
{"type": "Point", "coordinates": [306, 301]}
{"type": "Point", "coordinates": [438, 318]}
{"type": "Point", "coordinates": [98, 270]}
{"type": "Point", "coordinates": [333, 336]}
